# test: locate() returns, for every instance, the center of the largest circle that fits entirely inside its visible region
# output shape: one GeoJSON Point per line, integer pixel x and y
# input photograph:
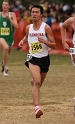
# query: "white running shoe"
{"type": "Point", "coordinates": [5, 74]}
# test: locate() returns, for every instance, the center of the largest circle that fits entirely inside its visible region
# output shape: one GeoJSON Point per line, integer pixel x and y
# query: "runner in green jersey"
{"type": "Point", "coordinates": [8, 22]}
{"type": "Point", "coordinates": [6, 29]}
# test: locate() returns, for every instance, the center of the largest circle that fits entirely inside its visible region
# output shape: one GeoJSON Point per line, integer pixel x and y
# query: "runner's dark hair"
{"type": "Point", "coordinates": [39, 7]}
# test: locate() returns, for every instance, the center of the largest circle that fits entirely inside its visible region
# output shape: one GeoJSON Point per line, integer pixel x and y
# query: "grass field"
{"type": "Point", "coordinates": [16, 105]}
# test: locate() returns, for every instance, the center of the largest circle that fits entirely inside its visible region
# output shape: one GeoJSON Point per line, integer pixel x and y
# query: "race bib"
{"type": "Point", "coordinates": [72, 51]}
{"type": "Point", "coordinates": [5, 31]}
{"type": "Point", "coordinates": [29, 57]}
{"type": "Point", "coordinates": [73, 40]}
{"type": "Point", "coordinates": [36, 47]}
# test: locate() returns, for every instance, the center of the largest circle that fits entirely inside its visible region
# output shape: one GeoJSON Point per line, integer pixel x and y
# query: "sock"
{"type": "Point", "coordinates": [37, 108]}
{"type": "Point", "coordinates": [6, 67]}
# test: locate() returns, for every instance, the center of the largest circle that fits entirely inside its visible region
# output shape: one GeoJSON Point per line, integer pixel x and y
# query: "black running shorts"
{"type": "Point", "coordinates": [43, 63]}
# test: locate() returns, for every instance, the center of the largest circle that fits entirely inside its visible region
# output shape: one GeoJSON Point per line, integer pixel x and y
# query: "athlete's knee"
{"type": "Point", "coordinates": [4, 44]}
{"type": "Point", "coordinates": [6, 48]}
{"type": "Point", "coordinates": [38, 82]}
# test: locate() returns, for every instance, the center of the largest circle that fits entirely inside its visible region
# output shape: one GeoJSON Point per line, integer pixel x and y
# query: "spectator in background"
{"type": "Point", "coordinates": [53, 14]}
{"type": "Point", "coordinates": [30, 6]}
{"type": "Point", "coordinates": [46, 17]}
{"type": "Point", "coordinates": [27, 17]}
{"type": "Point", "coordinates": [16, 11]}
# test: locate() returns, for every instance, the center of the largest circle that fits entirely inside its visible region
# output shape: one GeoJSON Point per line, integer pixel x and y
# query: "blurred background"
{"type": "Point", "coordinates": [55, 13]}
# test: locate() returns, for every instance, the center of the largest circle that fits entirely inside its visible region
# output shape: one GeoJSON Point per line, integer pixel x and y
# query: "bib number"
{"type": "Point", "coordinates": [36, 47]}
{"type": "Point", "coordinates": [5, 31]}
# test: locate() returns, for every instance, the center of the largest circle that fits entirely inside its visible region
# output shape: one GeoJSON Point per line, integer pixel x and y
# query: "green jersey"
{"type": "Point", "coordinates": [6, 30]}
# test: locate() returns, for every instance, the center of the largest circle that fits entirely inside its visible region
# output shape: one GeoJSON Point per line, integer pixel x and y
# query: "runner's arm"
{"type": "Point", "coordinates": [64, 26]}
{"type": "Point", "coordinates": [13, 20]}
{"type": "Point", "coordinates": [50, 36]}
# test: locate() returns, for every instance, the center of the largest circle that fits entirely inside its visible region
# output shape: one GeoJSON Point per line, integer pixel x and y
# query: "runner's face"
{"type": "Point", "coordinates": [5, 6]}
{"type": "Point", "coordinates": [36, 14]}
